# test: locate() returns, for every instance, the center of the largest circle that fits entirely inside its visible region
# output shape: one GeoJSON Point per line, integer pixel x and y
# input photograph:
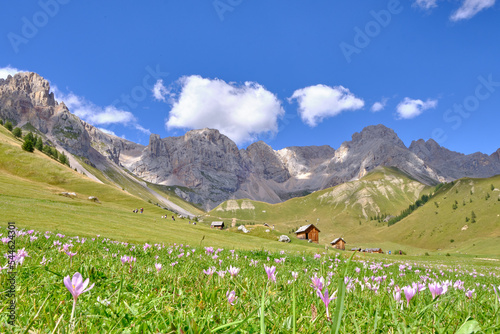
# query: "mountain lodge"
{"type": "Point", "coordinates": [308, 232]}
{"type": "Point", "coordinates": [219, 225]}
{"type": "Point", "coordinates": [338, 243]}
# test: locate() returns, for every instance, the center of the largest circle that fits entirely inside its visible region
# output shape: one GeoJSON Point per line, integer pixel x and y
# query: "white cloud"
{"type": "Point", "coordinates": [409, 108]}
{"type": "Point", "coordinates": [92, 113]}
{"type": "Point", "coordinates": [425, 4]}
{"type": "Point", "coordinates": [143, 130]}
{"type": "Point", "coordinates": [469, 8]}
{"type": "Point", "coordinates": [239, 112]}
{"type": "Point", "coordinates": [319, 102]}
{"type": "Point", "coordinates": [378, 106]}
{"type": "Point", "coordinates": [160, 92]}
{"type": "Point", "coordinates": [109, 132]}
{"type": "Point", "coordinates": [8, 70]}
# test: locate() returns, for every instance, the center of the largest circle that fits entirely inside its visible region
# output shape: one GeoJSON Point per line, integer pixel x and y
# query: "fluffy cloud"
{"type": "Point", "coordinates": [160, 92]}
{"type": "Point", "coordinates": [109, 132]}
{"type": "Point", "coordinates": [409, 108]}
{"type": "Point", "coordinates": [241, 112]}
{"type": "Point", "coordinates": [319, 102]}
{"type": "Point", "coordinates": [469, 8]}
{"type": "Point", "coordinates": [425, 4]}
{"type": "Point", "coordinates": [91, 113]}
{"type": "Point", "coordinates": [378, 106]}
{"type": "Point", "coordinates": [6, 71]}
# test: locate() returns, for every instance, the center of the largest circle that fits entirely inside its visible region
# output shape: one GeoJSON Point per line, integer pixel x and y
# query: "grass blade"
{"type": "Point", "coordinates": [262, 315]}
{"type": "Point", "coordinates": [339, 306]}
{"type": "Point", "coordinates": [294, 320]}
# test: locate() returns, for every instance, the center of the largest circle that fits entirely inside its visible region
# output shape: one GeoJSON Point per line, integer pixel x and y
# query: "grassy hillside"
{"type": "Point", "coordinates": [344, 210]}
{"type": "Point", "coordinates": [347, 210]}
{"type": "Point", "coordinates": [30, 195]}
{"type": "Point", "coordinates": [445, 222]}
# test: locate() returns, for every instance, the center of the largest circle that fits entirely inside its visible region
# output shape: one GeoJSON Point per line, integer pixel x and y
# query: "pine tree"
{"type": "Point", "coordinates": [8, 125]}
{"type": "Point", "coordinates": [473, 217]}
{"type": "Point", "coordinates": [63, 159]}
{"type": "Point", "coordinates": [28, 144]}
{"type": "Point", "coordinates": [17, 132]}
{"type": "Point", "coordinates": [39, 144]}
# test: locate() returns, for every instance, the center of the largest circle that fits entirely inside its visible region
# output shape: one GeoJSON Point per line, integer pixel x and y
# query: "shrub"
{"type": "Point", "coordinates": [8, 125]}
{"type": "Point", "coordinates": [63, 158]}
{"type": "Point", "coordinates": [448, 254]}
{"type": "Point", "coordinates": [452, 240]}
{"type": "Point", "coordinates": [39, 144]}
{"type": "Point", "coordinates": [28, 145]}
{"type": "Point", "coordinates": [1, 121]}
{"type": "Point", "coordinates": [17, 132]}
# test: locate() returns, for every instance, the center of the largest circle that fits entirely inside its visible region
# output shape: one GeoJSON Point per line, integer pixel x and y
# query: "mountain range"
{"type": "Point", "coordinates": [206, 168]}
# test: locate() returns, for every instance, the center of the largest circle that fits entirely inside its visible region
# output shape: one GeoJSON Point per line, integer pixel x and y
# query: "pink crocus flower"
{"type": "Point", "coordinates": [76, 287]}
{"type": "Point", "coordinates": [231, 297]}
{"type": "Point", "coordinates": [317, 283]}
{"type": "Point", "coordinates": [497, 292]}
{"type": "Point", "coordinates": [409, 292]}
{"type": "Point", "coordinates": [70, 254]}
{"type": "Point", "coordinates": [397, 294]}
{"type": "Point", "coordinates": [326, 300]}
{"type": "Point", "coordinates": [271, 273]}
{"type": "Point", "coordinates": [210, 271]}
{"type": "Point", "coordinates": [436, 289]}
{"type": "Point", "coordinates": [158, 267]}
{"type": "Point", "coordinates": [470, 293]}
{"type": "Point", "coordinates": [221, 273]}
{"type": "Point", "coordinates": [233, 271]}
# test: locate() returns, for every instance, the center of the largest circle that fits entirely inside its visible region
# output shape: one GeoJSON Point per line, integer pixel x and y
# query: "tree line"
{"type": "Point", "coordinates": [32, 142]}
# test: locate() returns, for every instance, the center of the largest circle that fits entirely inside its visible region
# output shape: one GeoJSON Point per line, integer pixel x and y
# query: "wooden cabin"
{"type": "Point", "coordinates": [308, 232]}
{"type": "Point", "coordinates": [338, 243]}
{"type": "Point", "coordinates": [219, 225]}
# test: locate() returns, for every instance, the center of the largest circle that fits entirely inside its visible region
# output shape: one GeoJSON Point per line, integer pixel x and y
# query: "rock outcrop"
{"type": "Point", "coordinates": [452, 165]}
{"type": "Point", "coordinates": [207, 167]}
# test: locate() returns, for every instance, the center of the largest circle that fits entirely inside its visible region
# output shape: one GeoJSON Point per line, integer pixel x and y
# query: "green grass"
{"type": "Point", "coordinates": [181, 298]}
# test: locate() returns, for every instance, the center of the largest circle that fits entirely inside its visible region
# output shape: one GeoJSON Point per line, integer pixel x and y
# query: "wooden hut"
{"type": "Point", "coordinates": [338, 243]}
{"type": "Point", "coordinates": [308, 232]}
{"type": "Point", "coordinates": [219, 225]}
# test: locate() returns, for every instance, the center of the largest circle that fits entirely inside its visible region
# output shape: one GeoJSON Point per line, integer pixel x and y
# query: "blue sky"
{"type": "Point", "coordinates": [291, 73]}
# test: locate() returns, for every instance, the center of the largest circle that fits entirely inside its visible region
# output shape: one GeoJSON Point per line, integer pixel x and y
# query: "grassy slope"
{"type": "Point", "coordinates": [434, 226]}
{"type": "Point", "coordinates": [336, 211]}
{"type": "Point", "coordinates": [30, 187]}
{"type": "Point", "coordinates": [422, 231]}
{"type": "Point", "coordinates": [120, 180]}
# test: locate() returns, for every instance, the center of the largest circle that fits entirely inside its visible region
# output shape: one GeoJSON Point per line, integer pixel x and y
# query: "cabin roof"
{"type": "Point", "coordinates": [337, 240]}
{"type": "Point", "coordinates": [305, 228]}
{"type": "Point", "coordinates": [217, 223]}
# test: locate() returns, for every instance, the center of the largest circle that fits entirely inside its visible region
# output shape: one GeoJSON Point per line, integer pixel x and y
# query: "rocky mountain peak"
{"type": "Point", "coordinates": [496, 155]}
{"type": "Point", "coordinates": [29, 85]}
{"type": "Point", "coordinates": [377, 132]}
